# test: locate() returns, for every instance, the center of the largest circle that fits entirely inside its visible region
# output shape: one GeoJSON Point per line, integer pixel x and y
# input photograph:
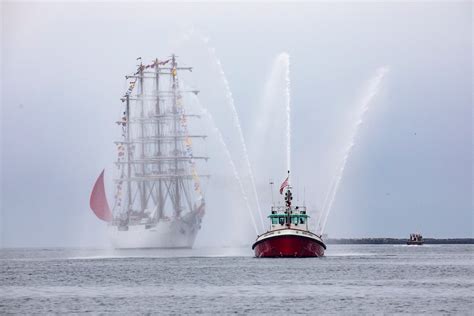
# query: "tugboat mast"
{"type": "Point", "coordinates": [288, 198]}
{"type": "Point", "coordinates": [271, 191]}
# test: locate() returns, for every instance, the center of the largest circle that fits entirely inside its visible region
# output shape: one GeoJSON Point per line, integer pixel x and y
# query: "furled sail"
{"type": "Point", "coordinates": [98, 201]}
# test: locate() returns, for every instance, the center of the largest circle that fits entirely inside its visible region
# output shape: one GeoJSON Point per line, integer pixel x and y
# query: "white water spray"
{"type": "Point", "coordinates": [372, 91]}
{"type": "Point", "coordinates": [271, 133]}
{"type": "Point", "coordinates": [231, 163]}
{"type": "Point", "coordinates": [230, 101]}
{"type": "Point", "coordinates": [286, 59]}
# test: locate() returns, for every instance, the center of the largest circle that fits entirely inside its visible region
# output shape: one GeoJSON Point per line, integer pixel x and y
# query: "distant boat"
{"type": "Point", "coordinates": [289, 235]}
{"type": "Point", "coordinates": [415, 239]}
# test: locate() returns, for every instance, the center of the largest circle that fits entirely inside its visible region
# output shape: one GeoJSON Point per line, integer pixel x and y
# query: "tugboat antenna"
{"type": "Point", "coordinates": [304, 196]}
{"type": "Point", "coordinates": [271, 189]}
{"type": "Point", "coordinates": [297, 190]}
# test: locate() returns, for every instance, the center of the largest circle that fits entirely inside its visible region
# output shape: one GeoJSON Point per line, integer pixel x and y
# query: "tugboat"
{"type": "Point", "coordinates": [289, 235]}
{"type": "Point", "coordinates": [415, 239]}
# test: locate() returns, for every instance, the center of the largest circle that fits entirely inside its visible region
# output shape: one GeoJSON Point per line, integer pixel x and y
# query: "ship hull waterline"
{"type": "Point", "coordinates": [288, 246]}
{"type": "Point", "coordinates": [415, 243]}
{"type": "Point", "coordinates": [173, 234]}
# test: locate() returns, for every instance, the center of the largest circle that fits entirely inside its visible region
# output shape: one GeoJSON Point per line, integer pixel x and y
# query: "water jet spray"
{"type": "Point", "coordinates": [372, 91]}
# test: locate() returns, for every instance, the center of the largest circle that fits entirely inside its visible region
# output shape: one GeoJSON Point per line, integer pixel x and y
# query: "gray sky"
{"type": "Point", "coordinates": [63, 68]}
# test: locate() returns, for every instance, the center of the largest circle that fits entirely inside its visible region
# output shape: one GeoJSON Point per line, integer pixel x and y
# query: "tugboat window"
{"type": "Point", "coordinates": [274, 220]}
{"type": "Point", "coordinates": [282, 220]}
{"type": "Point", "coordinates": [301, 220]}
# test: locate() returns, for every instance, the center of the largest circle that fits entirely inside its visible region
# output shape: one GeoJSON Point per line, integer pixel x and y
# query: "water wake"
{"type": "Point", "coordinates": [372, 91]}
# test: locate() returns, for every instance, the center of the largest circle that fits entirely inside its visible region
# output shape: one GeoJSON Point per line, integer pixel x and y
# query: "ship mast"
{"type": "Point", "coordinates": [129, 158]}
{"type": "Point", "coordinates": [160, 207]}
{"type": "Point", "coordinates": [177, 207]}
{"type": "Point", "coordinates": [142, 184]}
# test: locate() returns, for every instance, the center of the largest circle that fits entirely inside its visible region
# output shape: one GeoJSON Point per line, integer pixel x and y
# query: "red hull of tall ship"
{"type": "Point", "coordinates": [289, 243]}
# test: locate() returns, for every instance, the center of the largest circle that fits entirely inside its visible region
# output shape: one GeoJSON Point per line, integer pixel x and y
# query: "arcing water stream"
{"type": "Point", "coordinates": [231, 161]}
{"type": "Point", "coordinates": [271, 136]}
{"type": "Point", "coordinates": [230, 101]}
{"type": "Point", "coordinates": [372, 91]}
{"type": "Point", "coordinates": [285, 58]}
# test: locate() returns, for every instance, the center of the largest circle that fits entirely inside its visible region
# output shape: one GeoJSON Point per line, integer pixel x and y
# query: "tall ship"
{"type": "Point", "coordinates": [289, 234]}
{"type": "Point", "coordinates": [159, 201]}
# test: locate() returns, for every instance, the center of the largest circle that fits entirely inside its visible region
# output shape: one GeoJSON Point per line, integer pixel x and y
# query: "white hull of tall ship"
{"type": "Point", "coordinates": [173, 233]}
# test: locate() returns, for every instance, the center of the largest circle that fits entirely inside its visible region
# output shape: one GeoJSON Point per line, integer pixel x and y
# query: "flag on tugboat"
{"type": "Point", "coordinates": [284, 185]}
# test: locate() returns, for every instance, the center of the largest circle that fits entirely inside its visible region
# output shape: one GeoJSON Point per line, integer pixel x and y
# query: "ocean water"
{"type": "Point", "coordinates": [350, 279]}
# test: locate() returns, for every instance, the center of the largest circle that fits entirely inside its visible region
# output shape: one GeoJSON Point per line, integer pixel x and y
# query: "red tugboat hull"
{"type": "Point", "coordinates": [289, 243]}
